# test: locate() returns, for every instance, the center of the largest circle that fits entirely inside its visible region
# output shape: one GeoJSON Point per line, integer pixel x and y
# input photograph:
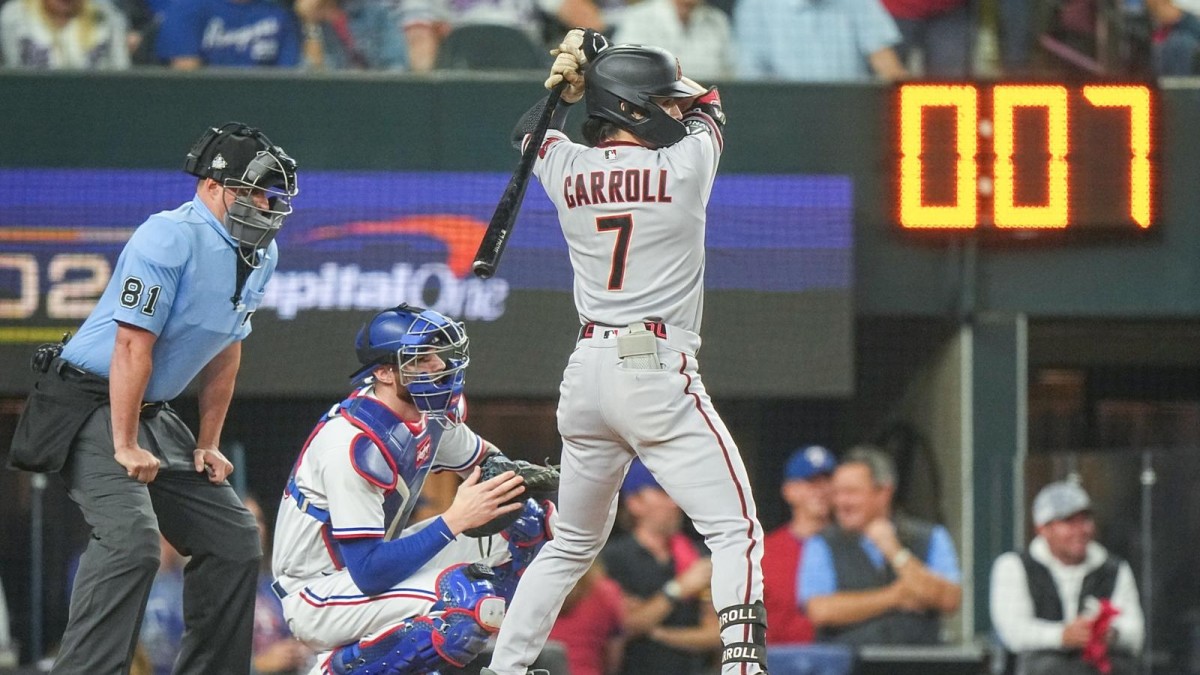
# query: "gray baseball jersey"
{"type": "Point", "coordinates": [634, 220]}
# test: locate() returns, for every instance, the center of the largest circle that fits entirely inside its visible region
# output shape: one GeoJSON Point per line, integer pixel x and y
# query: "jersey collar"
{"type": "Point", "coordinates": [612, 144]}
{"type": "Point", "coordinates": [212, 221]}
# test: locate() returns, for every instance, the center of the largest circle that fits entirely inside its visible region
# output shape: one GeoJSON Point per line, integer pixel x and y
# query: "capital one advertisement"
{"type": "Point", "coordinates": [778, 314]}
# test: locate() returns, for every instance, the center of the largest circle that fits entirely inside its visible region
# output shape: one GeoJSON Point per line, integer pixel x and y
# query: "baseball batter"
{"type": "Point", "coordinates": [631, 204]}
{"type": "Point", "coordinates": [380, 598]}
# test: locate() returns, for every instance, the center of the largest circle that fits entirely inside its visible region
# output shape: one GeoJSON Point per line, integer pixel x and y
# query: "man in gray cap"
{"type": "Point", "coordinates": [1053, 604]}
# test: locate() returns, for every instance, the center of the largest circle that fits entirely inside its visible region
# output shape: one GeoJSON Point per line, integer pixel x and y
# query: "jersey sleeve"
{"type": "Point", "coordinates": [355, 505]}
{"type": "Point", "coordinates": [553, 161]}
{"type": "Point", "coordinates": [458, 450]}
{"type": "Point", "coordinates": [701, 149]}
{"type": "Point", "coordinates": [289, 42]}
{"type": "Point", "coordinates": [816, 576]}
{"type": "Point", "coordinates": [148, 274]}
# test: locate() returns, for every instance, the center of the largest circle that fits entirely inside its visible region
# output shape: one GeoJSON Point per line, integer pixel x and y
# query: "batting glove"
{"type": "Point", "coordinates": [566, 68]}
{"type": "Point", "coordinates": [584, 44]}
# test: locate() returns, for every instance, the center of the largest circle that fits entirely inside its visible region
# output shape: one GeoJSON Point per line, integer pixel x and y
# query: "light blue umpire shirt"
{"type": "Point", "coordinates": [175, 278]}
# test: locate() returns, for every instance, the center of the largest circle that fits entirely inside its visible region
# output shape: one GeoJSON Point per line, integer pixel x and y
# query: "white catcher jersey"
{"type": "Point", "coordinates": [634, 222]}
{"type": "Point", "coordinates": [326, 475]}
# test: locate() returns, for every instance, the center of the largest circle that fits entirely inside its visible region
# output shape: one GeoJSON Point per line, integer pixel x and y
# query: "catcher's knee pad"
{"type": "Point", "coordinates": [532, 526]}
{"type": "Point", "coordinates": [754, 650]}
{"type": "Point", "coordinates": [526, 536]}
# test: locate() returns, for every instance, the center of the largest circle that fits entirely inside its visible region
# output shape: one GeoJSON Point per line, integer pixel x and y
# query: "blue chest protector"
{"type": "Point", "coordinates": [389, 455]}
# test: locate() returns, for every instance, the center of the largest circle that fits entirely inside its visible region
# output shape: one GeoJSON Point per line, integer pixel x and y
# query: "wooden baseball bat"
{"type": "Point", "coordinates": [500, 228]}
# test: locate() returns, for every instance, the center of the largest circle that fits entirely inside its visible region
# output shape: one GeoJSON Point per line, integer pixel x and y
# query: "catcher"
{"type": "Point", "coordinates": [374, 594]}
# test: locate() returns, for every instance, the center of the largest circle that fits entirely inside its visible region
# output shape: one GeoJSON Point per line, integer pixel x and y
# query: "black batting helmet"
{"type": "Point", "coordinates": [621, 84]}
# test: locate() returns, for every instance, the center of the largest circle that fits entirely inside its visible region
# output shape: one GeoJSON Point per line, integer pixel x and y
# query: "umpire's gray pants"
{"type": "Point", "coordinates": [202, 520]}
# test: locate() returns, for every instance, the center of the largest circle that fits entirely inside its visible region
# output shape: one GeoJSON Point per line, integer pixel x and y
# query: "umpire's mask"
{"type": "Point", "coordinates": [251, 224]}
{"type": "Point", "coordinates": [244, 161]}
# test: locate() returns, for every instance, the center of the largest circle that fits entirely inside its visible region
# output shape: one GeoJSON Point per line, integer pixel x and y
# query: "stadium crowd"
{"type": "Point", "coordinates": [783, 40]}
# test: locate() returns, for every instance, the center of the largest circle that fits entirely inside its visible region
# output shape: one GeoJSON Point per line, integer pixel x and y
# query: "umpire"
{"type": "Point", "coordinates": [176, 309]}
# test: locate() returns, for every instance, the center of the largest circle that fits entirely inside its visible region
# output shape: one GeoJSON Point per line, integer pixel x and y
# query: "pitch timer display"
{"type": "Point", "coordinates": [1026, 158]}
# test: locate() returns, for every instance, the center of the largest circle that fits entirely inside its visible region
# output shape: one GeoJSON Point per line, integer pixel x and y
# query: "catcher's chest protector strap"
{"type": "Point", "coordinates": [754, 651]}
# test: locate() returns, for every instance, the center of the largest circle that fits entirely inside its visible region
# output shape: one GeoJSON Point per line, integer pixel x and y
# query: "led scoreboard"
{"type": "Point", "coordinates": [1025, 158]}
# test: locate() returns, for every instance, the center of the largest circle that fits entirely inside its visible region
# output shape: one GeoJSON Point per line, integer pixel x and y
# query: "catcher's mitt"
{"type": "Point", "coordinates": [541, 483]}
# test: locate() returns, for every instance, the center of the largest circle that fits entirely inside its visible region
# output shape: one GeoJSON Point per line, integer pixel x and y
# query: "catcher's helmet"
{"type": "Point", "coordinates": [621, 84]}
{"type": "Point", "coordinates": [242, 158]}
{"type": "Point", "coordinates": [402, 335]}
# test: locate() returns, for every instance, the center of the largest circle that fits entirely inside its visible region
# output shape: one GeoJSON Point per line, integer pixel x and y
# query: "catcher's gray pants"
{"type": "Point", "coordinates": [202, 520]}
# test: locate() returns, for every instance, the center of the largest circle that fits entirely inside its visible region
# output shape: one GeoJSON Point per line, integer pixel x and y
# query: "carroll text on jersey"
{"type": "Point", "coordinates": [618, 185]}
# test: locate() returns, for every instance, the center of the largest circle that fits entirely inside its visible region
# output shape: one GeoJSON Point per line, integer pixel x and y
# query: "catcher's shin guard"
{"type": "Point", "coordinates": [407, 649]}
{"type": "Point", "coordinates": [466, 613]}
{"type": "Point", "coordinates": [754, 651]}
{"type": "Point", "coordinates": [526, 536]}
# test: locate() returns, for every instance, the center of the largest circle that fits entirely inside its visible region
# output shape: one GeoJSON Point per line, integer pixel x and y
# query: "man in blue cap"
{"type": "Point", "coordinates": [806, 489]}
{"type": "Point", "coordinates": [662, 577]}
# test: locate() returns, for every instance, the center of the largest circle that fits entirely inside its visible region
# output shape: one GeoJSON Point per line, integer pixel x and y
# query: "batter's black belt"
{"type": "Point", "coordinates": [278, 589]}
{"type": "Point", "coordinates": [73, 374]}
{"type": "Point", "coordinates": [589, 329]}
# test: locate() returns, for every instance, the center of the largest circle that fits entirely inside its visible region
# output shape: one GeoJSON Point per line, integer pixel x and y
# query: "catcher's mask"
{"type": "Point", "coordinates": [622, 83]}
{"type": "Point", "coordinates": [405, 336]}
{"type": "Point", "coordinates": [243, 160]}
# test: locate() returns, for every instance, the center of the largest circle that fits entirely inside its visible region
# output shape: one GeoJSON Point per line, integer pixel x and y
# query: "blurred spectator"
{"type": "Point", "coordinates": [874, 577]}
{"type": "Point", "coordinates": [63, 34]}
{"type": "Point", "coordinates": [697, 33]}
{"type": "Point", "coordinates": [427, 22]}
{"type": "Point", "coordinates": [806, 490]}
{"type": "Point", "coordinates": [816, 40]}
{"type": "Point", "coordinates": [1177, 40]}
{"type": "Point", "coordinates": [8, 650]}
{"type": "Point", "coordinates": [276, 652]}
{"type": "Point", "coordinates": [143, 18]}
{"type": "Point", "coordinates": [1016, 35]}
{"type": "Point", "coordinates": [591, 624]}
{"type": "Point", "coordinates": [162, 625]}
{"type": "Point", "coordinates": [351, 34]}
{"type": "Point", "coordinates": [662, 577]}
{"type": "Point", "coordinates": [941, 30]}
{"type": "Point", "coordinates": [1048, 602]}
{"type": "Point", "coordinates": [228, 33]}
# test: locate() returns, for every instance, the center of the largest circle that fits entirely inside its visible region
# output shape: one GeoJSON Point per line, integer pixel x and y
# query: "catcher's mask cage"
{"type": "Point", "coordinates": [622, 83]}
{"type": "Point", "coordinates": [404, 336]}
{"type": "Point", "coordinates": [243, 160]}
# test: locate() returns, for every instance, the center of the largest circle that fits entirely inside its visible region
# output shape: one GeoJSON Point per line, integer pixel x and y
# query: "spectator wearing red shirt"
{"type": "Point", "coordinates": [806, 489]}
{"type": "Point", "coordinates": [591, 625]}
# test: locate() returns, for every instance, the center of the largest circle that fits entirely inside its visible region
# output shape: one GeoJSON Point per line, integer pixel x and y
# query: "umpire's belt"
{"type": "Point", "coordinates": [678, 339]}
{"type": "Point", "coordinates": [73, 374]}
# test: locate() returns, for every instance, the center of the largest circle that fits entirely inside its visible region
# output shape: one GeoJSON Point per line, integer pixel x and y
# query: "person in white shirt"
{"type": "Point", "coordinates": [697, 33]}
{"type": "Point", "coordinates": [1045, 601]}
{"type": "Point", "coordinates": [58, 34]}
